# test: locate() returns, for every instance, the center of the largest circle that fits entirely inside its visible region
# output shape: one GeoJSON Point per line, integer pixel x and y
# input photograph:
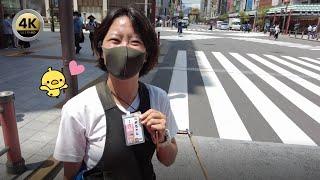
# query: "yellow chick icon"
{"type": "Point", "coordinates": [53, 81]}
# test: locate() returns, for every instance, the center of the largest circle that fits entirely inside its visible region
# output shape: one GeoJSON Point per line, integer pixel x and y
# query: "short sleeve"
{"type": "Point", "coordinates": [71, 141]}
{"type": "Point", "coordinates": [171, 122]}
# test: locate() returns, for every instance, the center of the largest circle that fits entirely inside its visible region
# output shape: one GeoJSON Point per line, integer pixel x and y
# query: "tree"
{"type": "Point", "coordinates": [244, 17]}
{"type": "Point", "coordinates": [181, 14]}
{"type": "Point", "coordinates": [223, 17]}
{"type": "Point", "coordinates": [262, 12]}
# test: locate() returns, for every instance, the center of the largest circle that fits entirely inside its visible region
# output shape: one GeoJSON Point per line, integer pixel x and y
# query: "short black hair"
{"type": "Point", "coordinates": [141, 26]}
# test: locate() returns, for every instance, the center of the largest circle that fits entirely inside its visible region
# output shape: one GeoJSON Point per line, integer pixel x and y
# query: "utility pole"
{"type": "Point", "coordinates": [1, 25]}
{"type": "Point", "coordinates": [67, 45]}
{"type": "Point", "coordinates": [51, 14]}
{"type": "Point", "coordinates": [153, 13]}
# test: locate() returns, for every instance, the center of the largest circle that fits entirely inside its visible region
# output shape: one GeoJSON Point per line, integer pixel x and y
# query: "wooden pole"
{"type": "Point", "coordinates": [1, 26]}
{"type": "Point", "coordinates": [67, 45]}
{"type": "Point", "coordinates": [288, 22]}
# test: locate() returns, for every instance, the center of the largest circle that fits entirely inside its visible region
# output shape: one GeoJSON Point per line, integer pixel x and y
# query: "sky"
{"type": "Point", "coordinates": [191, 3]}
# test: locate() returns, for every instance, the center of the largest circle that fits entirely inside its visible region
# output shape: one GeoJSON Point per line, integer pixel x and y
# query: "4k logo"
{"type": "Point", "coordinates": [27, 25]}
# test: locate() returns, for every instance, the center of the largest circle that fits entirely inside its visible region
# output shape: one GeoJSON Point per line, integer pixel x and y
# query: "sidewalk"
{"type": "Point", "coordinates": [37, 118]}
{"type": "Point", "coordinates": [303, 37]}
{"type": "Point", "coordinates": [38, 121]}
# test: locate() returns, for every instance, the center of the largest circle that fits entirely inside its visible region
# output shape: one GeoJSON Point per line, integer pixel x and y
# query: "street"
{"type": "Point", "coordinates": [243, 86]}
{"type": "Point", "coordinates": [250, 103]}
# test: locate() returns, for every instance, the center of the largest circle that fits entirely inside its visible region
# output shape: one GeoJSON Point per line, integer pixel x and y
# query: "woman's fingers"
{"type": "Point", "coordinates": [151, 114]}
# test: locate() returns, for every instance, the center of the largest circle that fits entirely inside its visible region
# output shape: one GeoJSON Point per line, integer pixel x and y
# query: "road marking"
{"type": "Point", "coordinates": [302, 62]}
{"type": "Point", "coordinates": [187, 37]}
{"type": "Point", "coordinates": [293, 66]}
{"type": "Point", "coordinates": [279, 43]}
{"type": "Point", "coordinates": [229, 124]}
{"type": "Point", "coordinates": [179, 87]}
{"type": "Point", "coordinates": [311, 60]}
{"type": "Point", "coordinates": [304, 83]}
{"type": "Point", "coordinates": [288, 131]}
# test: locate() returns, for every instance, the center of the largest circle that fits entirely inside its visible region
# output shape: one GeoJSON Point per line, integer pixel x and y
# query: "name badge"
{"type": "Point", "coordinates": [133, 129]}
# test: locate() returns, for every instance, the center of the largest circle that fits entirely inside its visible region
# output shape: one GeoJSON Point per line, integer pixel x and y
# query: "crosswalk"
{"type": "Point", "coordinates": [283, 90]}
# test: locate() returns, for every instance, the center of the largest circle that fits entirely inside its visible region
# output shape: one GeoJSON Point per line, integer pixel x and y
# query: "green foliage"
{"type": "Point", "coordinates": [181, 14]}
{"type": "Point", "coordinates": [223, 17]}
{"type": "Point", "coordinates": [261, 15]}
{"type": "Point", "coordinates": [244, 17]}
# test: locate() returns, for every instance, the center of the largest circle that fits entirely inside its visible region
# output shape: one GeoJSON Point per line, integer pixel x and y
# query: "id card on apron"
{"type": "Point", "coordinates": [133, 129]}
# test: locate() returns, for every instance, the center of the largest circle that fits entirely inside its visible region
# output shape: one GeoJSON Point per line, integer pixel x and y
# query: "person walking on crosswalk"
{"type": "Point", "coordinates": [179, 27]}
{"type": "Point", "coordinates": [277, 31]}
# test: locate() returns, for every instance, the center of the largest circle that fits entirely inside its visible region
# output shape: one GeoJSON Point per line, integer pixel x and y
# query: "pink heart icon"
{"type": "Point", "coordinates": [75, 69]}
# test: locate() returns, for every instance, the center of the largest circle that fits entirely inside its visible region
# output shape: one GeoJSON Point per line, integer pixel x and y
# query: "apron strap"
{"type": "Point", "coordinates": [105, 96]}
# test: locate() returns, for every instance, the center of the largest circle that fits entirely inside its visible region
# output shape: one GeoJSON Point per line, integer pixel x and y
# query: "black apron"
{"type": "Point", "coordinates": [119, 161]}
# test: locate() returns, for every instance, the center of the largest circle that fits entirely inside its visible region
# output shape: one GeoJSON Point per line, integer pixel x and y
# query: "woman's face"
{"type": "Point", "coordinates": [121, 33]}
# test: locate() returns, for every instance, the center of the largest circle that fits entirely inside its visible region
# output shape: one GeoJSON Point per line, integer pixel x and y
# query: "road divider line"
{"type": "Point", "coordinates": [311, 60]}
{"type": "Point", "coordinates": [287, 130]}
{"type": "Point", "coordinates": [229, 124]}
{"type": "Point", "coordinates": [302, 62]}
{"type": "Point", "coordinates": [178, 92]}
{"type": "Point", "coordinates": [304, 83]}
{"type": "Point", "coordinates": [294, 67]}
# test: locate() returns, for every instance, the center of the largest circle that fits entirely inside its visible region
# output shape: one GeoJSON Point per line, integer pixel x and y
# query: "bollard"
{"type": "Point", "coordinates": [302, 34]}
{"type": "Point", "coordinates": [158, 38]}
{"type": "Point", "coordinates": [15, 163]}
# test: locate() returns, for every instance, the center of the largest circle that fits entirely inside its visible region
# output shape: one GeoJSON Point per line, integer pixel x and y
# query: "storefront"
{"type": "Point", "coordinates": [287, 17]}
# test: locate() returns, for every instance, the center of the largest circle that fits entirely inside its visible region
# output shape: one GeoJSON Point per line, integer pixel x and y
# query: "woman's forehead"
{"type": "Point", "coordinates": [122, 26]}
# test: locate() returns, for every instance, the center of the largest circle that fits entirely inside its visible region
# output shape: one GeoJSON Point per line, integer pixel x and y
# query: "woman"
{"type": "Point", "coordinates": [91, 26]}
{"type": "Point", "coordinates": [91, 134]}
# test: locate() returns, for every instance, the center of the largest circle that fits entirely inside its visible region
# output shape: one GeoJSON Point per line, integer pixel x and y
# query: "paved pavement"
{"type": "Point", "coordinates": [250, 118]}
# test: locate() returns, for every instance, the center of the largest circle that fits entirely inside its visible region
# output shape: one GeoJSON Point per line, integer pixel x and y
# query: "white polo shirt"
{"type": "Point", "coordinates": [82, 129]}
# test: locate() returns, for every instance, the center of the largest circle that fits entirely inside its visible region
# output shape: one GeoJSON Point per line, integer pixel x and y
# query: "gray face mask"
{"type": "Point", "coordinates": [123, 62]}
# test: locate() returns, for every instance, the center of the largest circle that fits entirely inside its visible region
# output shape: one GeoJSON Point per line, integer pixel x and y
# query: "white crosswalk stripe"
{"type": "Point", "coordinates": [303, 103]}
{"type": "Point", "coordinates": [226, 117]}
{"type": "Point", "coordinates": [311, 60]}
{"type": "Point", "coordinates": [179, 87]}
{"type": "Point", "coordinates": [304, 83]}
{"type": "Point", "coordinates": [302, 62]}
{"type": "Point", "coordinates": [282, 125]}
{"type": "Point", "coordinates": [229, 123]}
{"type": "Point", "coordinates": [295, 67]}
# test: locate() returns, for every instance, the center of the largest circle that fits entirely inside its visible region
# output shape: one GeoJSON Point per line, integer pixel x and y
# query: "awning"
{"type": "Point", "coordinates": [298, 9]}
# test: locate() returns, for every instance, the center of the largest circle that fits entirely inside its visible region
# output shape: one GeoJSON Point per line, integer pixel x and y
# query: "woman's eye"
{"type": "Point", "coordinates": [136, 42]}
{"type": "Point", "coordinates": [115, 40]}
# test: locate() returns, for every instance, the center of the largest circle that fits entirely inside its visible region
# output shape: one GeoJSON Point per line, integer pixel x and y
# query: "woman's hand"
{"type": "Point", "coordinates": [154, 121]}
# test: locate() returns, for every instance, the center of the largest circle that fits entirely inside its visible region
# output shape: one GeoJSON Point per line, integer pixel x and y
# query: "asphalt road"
{"type": "Point", "coordinates": [242, 86]}
{"type": "Point", "coordinates": [252, 102]}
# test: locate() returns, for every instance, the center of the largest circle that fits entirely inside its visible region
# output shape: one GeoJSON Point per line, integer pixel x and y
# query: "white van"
{"type": "Point", "coordinates": [235, 24]}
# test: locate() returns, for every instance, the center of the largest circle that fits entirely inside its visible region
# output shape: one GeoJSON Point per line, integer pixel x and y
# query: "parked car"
{"type": "Point", "coordinates": [219, 24]}
{"type": "Point", "coordinates": [224, 26]}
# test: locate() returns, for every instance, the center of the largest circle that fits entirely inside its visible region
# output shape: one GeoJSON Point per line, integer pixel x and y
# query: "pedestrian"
{"type": "Point", "coordinates": [78, 34]}
{"type": "Point", "coordinates": [179, 27]}
{"type": "Point", "coordinates": [8, 33]}
{"type": "Point", "coordinates": [91, 26]}
{"type": "Point", "coordinates": [96, 134]}
{"type": "Point", "coordinates": [309, 31]}
{"type": "Point", "coordinates": [314, 31]}
{"type": "Point", "coordinates": [276, 33]}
